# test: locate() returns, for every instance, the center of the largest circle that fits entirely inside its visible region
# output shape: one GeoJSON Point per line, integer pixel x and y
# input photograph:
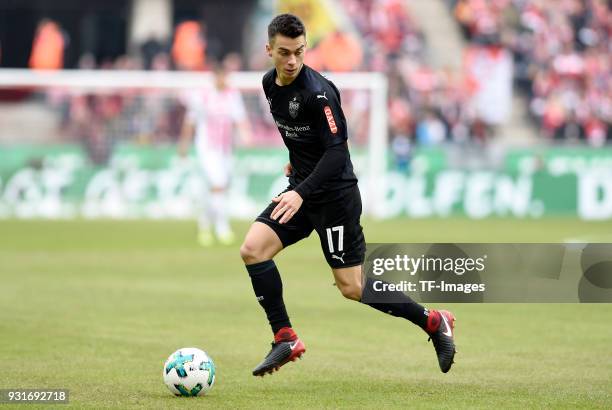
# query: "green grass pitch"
{"type": "Point", "coordinates": [96, 307]}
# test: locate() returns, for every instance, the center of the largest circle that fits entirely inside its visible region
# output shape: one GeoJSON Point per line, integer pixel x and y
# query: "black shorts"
{"type": "Point", "coordinates": [335, 216]}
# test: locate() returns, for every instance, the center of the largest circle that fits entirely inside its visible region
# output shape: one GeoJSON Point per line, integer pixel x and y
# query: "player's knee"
{"type": "Point", "coordinates": [350, 291]}
{"type": "Point", "coordinates": [250, 253]}
{"type": "Point", "coordinates": [247, 252]}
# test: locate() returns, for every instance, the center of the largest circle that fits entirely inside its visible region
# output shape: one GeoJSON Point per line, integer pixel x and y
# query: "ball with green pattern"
{"type": "Point", "coordinates": [189, 372]}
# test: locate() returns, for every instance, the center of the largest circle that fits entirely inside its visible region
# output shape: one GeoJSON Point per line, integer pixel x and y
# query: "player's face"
{"type": "Point", "coordinates": [220, 80]}
{"type": "Point", "coordinates": [288, 56]}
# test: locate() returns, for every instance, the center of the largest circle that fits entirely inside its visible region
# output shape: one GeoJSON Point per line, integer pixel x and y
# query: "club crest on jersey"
{"type": "Point", "coordinates": [330, 119]}
{"type": "Point", "coordinates": [294, 106]}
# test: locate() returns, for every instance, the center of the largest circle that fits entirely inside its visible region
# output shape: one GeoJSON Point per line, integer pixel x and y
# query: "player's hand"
{"type": "Point", "coordinates": [288, 169]}
{"type": "Point", "coordinates": [288, 204]}
{"type": "Point", "coordinates": [183, 151]}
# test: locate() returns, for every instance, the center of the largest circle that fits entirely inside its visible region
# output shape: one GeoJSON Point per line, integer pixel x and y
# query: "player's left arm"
{"type": "Point", "coordinates": [331, 127]}
{"type": "Point", "coordinates": [328, 117]}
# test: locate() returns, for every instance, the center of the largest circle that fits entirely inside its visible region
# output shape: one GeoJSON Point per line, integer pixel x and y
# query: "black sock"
{"type": "Point", "coordinates": [402, 306]}
{"type": "Point", "coordinates": [268, 288]}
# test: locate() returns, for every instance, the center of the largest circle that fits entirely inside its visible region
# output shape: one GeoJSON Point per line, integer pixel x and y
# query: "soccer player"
{"type": "Point", "coordinates": [211, 116]}
{"type": "Point", "coordinates": [322, 196]}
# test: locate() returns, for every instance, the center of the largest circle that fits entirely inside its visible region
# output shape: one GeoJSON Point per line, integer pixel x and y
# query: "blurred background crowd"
{"type": "Point", "coordinates": [552, 57]}
{"type": "Point", "coordinates": [561, 51]}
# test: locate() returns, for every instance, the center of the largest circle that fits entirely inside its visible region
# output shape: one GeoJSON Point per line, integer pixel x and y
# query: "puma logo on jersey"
{"type": "Point", "coordinates": [322, 95]}
{"type": "Point", "coordinates": [340, 258]}
{"type": "Point", "coordinates": [330, 119]}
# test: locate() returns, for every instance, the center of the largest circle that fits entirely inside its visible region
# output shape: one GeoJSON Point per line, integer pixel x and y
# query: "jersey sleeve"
{"type": "Point", "coordinates": [331, 164]}
{"type": "Point", "coordinates": [328, 117]}
{"type": "Point", "coordinates": [331, 127]}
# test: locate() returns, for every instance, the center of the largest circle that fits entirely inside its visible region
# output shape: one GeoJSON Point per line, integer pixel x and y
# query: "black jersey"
{"type": "Point", "coordinates": [309, 117]}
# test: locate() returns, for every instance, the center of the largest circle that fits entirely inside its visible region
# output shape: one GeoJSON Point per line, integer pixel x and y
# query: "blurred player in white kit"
{"type": "Point", "coordinates": [212, 116]}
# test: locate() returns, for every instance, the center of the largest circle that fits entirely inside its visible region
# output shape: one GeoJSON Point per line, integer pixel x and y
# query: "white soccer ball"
{"type": "Point", "coordinates": [189, 372]}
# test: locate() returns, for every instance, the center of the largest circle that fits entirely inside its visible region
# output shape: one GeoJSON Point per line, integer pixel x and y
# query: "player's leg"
{"type": "Point", "coordinates": [343, 243]}
{"type": "Point", "coordinates": [439, 325]}
{"type": "Point", "coordinates": [265, 239]}
{"type": "Point", "coordinates": [219, 205]}
{"type": "Point", "coordinates": [260, 245]}
{"type": "Point", "coordinates": [217, 168]}
{"type": "Point", "coordinates": [349, 281]}
{"type": "Point", "coordinates": [205, 212]}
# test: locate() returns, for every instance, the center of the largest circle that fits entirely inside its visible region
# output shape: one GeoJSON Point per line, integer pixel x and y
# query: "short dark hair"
{"type": "Point", "coordinates": [286, 24]}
